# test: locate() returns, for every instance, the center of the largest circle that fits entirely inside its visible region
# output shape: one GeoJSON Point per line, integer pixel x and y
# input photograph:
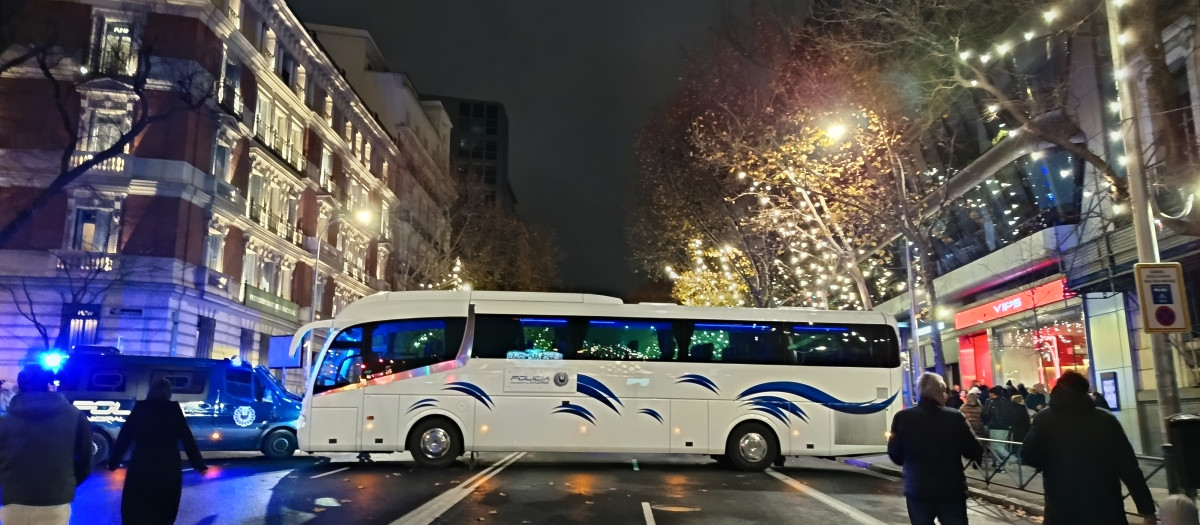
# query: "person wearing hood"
{"type": "Point", "coordinates": [45, 452]}
{"type": "Point", "coordinates": [1084, 456]}
{"type": "Point", "coordinates": [154, 483]}
{"type": "Point", "coordinates": [930, 442]}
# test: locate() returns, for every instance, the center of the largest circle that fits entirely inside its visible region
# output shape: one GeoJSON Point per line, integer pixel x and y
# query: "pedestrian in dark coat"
{"type": "Point", "coordinates": [955, 400]}
{"type": "Point", "coordinates": [1021, 421]}
{"type": "Point", "coordinates": [153, 485]}
{"type": "Point", "coordinates": [929, 441]}
{"type": "Point", "coordinates": [1000, 415]}
{"type": "Point", "coordinates": [45, 452]}
{"type": "Point", "coordinates": [1084, 456]}
{"type": "Point", "coordinates": [1036, 399]}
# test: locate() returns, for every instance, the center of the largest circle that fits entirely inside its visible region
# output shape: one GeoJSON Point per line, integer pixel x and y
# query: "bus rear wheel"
{"type": "Point", "coordinates": [751, 447]}
{"type": "Point", "coordinates": [435, 442]}
{"type": "Point", "coordinates": [279, 444]}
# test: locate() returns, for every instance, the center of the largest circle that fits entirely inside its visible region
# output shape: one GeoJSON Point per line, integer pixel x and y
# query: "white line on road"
{"type": "Point", "coordinates": [649, 514]}
{"type": "Point", "coordinates": [435, 507]}
{"type": "Point", "coordinates": [329, 473]}
{"type": "Point", "coordinates": [837, 504]}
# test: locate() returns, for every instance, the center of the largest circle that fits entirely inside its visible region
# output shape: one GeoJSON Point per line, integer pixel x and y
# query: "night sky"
{"type": "Point", "coordinates": [578, 78]}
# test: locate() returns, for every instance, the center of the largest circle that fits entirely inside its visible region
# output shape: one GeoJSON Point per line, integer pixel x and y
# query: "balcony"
{"type": "Point", "coordinates": [276, 224]}
{"type": "Point", "coordinates": [75, 261]}
{"type": "Point", "coordinates": [280, 147]}
{"type": "Point", "coordinates": [114, 164]}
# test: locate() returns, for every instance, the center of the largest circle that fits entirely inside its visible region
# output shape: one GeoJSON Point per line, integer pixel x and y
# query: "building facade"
{"type": "Point", "coordinates": [479, 155]}
{"type": "Point", "coordinates": [200, 237]}
{"type": "Point", "coordinates": [1034, 257]}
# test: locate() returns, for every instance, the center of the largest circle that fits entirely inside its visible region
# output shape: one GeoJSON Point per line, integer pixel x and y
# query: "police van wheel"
{"type": "Point", "coordinates": [751, 447]}
{"type": "Point", "coordinates": [100, 447]}
{"type": "Point", "coordinates": [279, 444]}
{"type": "Point", "coordinates": [435, 442]}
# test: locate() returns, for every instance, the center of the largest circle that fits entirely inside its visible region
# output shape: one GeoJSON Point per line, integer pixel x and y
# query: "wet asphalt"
{"type": "Point", "coordinates": [528, 488]}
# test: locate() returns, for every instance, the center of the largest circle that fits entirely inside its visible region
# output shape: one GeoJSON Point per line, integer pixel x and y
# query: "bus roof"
{"type": "Point", "coordinates": [437, 303]}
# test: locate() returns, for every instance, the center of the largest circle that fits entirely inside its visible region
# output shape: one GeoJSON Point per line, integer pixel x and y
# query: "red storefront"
{"type": "Point", "coordinates": [1027, 337]}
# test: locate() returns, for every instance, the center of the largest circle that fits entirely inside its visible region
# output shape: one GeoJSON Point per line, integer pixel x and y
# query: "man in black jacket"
{"type": "Point", "coordinates": [999, 415]}
{"type": "Point", "coordinates": [1084, 456]}
{"type": "Point", "coordinates": [45, 452]}
{"type": "Point", "coordinates": [929, 441]}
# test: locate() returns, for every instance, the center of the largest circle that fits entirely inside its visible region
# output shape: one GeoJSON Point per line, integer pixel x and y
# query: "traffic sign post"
{"type": "Point", "coordinates": [1162, 298]}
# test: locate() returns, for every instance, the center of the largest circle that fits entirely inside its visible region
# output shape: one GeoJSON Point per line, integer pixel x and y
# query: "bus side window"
{"type": "Point", "coordinates": [106, 381]}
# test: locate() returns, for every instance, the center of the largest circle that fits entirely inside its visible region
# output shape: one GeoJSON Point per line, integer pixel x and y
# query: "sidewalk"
{"type": "Point", "coordinates": [1005, 487]}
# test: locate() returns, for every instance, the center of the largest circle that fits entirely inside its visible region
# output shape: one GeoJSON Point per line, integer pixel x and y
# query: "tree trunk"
{"type": "Point", "coordinates": [860, 281]}
{"type": "Point", "coordinates": [928, 269]}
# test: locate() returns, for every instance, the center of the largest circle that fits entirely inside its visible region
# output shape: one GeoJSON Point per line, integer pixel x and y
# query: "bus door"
{"type": "Point", "coordinates": [243, 410]}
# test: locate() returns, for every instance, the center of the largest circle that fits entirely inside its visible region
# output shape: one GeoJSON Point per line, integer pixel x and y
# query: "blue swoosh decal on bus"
{"type": "Point", "coordinates": [818, 396]}
{"type": "Point", "coordinates": [697, 379]}
{"type": "Point", "coordinates": [776, 406]}
{"type": "Point", "coordinates": [576, 410]}
{"type": "Point", "coordinates": [424, 403]}
{"type": "Point", "coordinates": [594, 389]}
{"type": "Point", "coordinates": [470, 390]}
{"type": "Point", "coordinates": [652, 413]}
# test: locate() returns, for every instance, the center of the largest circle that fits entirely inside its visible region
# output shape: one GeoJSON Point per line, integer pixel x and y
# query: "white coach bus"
{"type": "Point", "coordinates": [441, 373]}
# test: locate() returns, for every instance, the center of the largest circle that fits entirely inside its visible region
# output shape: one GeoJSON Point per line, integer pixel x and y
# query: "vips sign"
{"type": "Point", "coordinates": [1037, 297]}
{"type": "Point", "coordinates": [538, 379]}
{"type": "Point", "coordinates": [1161, 296]}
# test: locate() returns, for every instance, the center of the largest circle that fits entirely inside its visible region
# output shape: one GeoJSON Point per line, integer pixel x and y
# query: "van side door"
{"type": "Point", "coordinates": [242, 413]}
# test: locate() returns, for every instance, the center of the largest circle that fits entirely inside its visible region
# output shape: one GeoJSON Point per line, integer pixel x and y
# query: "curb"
{"type": "Point", "coordinates": [1029, 508]}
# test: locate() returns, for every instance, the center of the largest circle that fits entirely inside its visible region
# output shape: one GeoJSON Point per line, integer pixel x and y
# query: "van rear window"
{"type": "Point", "coordinates": [182, 381]}
{"type": "Point", "coordinates": [106, 381]}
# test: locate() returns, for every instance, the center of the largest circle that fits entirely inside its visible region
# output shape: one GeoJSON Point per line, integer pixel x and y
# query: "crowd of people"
{"type": "Point", "coordinates": [1069, 435]}
{"type": "Point", "coordinates": [46, 452]}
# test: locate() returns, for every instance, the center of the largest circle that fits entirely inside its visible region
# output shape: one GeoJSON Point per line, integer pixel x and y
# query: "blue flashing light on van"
{"type": "Point", "coordinates": [230, 406]}
{"type": "Point", "coordinates": [52, 360]}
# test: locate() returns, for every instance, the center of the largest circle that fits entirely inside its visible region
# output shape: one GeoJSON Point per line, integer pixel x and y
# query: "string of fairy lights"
{"type": "Point", "coordinates": [809, 263]}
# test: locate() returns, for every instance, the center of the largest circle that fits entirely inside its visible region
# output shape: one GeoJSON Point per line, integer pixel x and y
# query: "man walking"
{"type": "Point", "coordinates": [1036, 400]}
{"type": "Point", "coordinates": [1084, 456]}
{"type": "Point", "coordinates": [999, 415]}
{"type": "Point", "coordinates": [45, 452]}
{"type": "Point", "coordinates": [929, 441]}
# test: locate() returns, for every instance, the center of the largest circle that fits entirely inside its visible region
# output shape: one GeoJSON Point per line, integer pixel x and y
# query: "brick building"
{"type": "Point", "coordinates": [199, 238]}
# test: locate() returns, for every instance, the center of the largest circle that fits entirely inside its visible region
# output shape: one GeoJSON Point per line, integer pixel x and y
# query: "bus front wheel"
{"type": "Point", "coordinates": [435, 442]}
{"type": "Point", "coordinates": [751, 447]}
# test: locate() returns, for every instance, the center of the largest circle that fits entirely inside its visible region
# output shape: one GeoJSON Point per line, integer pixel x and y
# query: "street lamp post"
{"type": "Point", "coordinates": [363, 217]}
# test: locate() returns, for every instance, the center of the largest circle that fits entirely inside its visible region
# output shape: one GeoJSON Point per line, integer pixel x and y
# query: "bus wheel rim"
{"type": "Point", "coordinates": [435, 442]}
{"type": "Point", "coordinates": [753, 447]}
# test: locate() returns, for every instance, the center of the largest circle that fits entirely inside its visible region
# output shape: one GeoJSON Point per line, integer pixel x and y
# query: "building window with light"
{"type": "Point", "coordinates": [326, 168]}
{"type": "Point", "coordinates": [118, 56]}
{"type": "Point", "coordinates": [222, 156]}
{"type": "Point", "coordinates": [106, 129]}
{"type": "Point", "coordinates": [92, 230]}
{"type": "Point", "coordinates": [214, 251]}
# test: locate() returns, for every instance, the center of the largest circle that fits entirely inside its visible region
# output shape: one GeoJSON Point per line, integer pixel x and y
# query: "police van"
{"type": "Point", "coordinates": [229, 405]}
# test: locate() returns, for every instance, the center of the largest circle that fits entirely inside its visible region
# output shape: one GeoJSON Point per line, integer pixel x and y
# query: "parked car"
{"type": "Point", "coordinates": [229, 405]}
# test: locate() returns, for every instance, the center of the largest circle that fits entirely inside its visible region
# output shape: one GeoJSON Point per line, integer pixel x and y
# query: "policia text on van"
{"type": "Point", "coordinates": [229, 406]}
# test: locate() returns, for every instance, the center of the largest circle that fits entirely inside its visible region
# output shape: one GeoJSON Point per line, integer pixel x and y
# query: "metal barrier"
{"type": "Point", "coordinates": [992, 466]}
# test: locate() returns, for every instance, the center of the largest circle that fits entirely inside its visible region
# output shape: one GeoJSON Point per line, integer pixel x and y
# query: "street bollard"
{"type": "Point", "coordinates": [1183, 453]}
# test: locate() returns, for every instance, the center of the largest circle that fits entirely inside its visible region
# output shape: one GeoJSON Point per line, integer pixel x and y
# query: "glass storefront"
{"type": "Point", "coordinates": [1040, 348]}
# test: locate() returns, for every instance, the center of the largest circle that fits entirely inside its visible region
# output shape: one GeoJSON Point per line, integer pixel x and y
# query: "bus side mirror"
{"type": "Point", "coordinates": [267, 396]}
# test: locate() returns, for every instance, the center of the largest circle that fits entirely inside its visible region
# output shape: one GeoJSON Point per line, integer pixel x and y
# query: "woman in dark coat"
{"type": "Point", "coordinates": [154, 482]}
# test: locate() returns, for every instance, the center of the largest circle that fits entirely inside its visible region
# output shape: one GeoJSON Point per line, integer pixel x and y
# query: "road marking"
{"type": "Point", "coordinates": [635, 467]}
{"type": "Point", "coordinates": [328, 473]}
{"type": "Point", "coordinates": [435, 507]}
{"type": "Point", "coordinates": [837, 504]}
{"type": "Point", "coordinates": [649, 514]}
